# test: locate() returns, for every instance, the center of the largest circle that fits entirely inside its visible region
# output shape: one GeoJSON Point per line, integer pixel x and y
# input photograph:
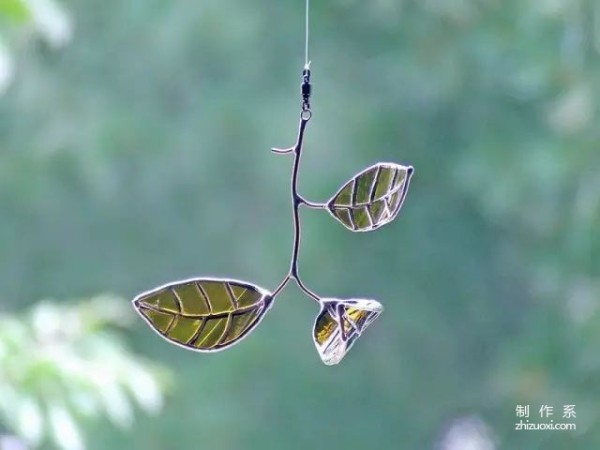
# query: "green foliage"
{"type": "Point", "coordinates": [16, 10]}
{"type": "Point", "coordinates": [139, 154]}
{"type": "Point", "coordinates": [22, 21]}
{"type": "Point", "coordinates": [61, 364]}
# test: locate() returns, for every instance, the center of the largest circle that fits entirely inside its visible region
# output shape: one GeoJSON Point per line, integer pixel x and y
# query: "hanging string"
{"type": "Point", "coordinates": [307, 23]}
{"type": "Point", "coordinates": [306, 86]}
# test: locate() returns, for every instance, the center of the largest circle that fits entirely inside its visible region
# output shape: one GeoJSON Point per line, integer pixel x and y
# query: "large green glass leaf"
{"type": "Point", "coordinates": [339, 324]}
{"type": "Point", "coordinates": [204, 314]}
{"type": "Point", "coordinates": [372, 198]}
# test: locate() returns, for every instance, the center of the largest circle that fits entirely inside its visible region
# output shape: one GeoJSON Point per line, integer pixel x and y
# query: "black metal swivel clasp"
{"type": "Point", "coordinates": [306, 88]}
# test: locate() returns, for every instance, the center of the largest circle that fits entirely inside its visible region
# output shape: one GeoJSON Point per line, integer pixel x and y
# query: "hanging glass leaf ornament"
{"type": "Point", "coordinates": [212, 314]}
{"type": "Point", "coordinates": [339, 324]}
{"type": "Point", "coordinates": [372, 198]}
{"type": "Point", "coordinates": [204, 314]}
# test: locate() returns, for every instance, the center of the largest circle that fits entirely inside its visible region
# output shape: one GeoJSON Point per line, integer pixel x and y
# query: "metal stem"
{"type": "Point", "coordinates": [297, 199]}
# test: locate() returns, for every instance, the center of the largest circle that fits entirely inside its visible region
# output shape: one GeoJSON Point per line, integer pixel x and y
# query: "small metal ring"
{"type": "Point", "coordinates": [306, 114]}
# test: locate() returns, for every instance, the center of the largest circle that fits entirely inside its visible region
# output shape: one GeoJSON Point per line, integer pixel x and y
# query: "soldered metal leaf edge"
{"type": "Point", "coordinates": [329, 306]}
{"type": "Point", "coordinates": [404, 186]}
{"type": "Point", "coordinates": [266, 304]}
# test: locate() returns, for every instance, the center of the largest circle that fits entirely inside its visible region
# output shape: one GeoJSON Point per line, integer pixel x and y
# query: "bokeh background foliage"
{"type": "Point", "coordinates": [134, 150]}
{"type": "Point", "coordinates": [64, 365]}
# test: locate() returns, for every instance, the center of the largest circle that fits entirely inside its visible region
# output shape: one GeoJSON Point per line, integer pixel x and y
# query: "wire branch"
{"type": "Point", "coordinates": [312, 205]}
{"type": "Point", "coordinates": [282, 151]}
{"type": "Point", "coordinates": [281, 286]}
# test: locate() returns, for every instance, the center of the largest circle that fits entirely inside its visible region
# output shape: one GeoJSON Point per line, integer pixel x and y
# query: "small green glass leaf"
{"type": "Point", "coordinates": [204, 314]}
{"type": "Point", "coordinates": [340, 323]}
{"type": "Point", "coordinates": [372, 198]}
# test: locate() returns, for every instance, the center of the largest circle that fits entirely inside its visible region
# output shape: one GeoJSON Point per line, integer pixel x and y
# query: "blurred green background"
{"type": "Point", "coordinates": [134, 150]}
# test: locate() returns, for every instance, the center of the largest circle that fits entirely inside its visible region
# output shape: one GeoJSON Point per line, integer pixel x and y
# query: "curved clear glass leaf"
{"type": "Point", "coordinates": [372, 198]}
{"type": "Point", "coordinates": [340, 323]}
{"type": "Point", "coordinates": [204, 314]}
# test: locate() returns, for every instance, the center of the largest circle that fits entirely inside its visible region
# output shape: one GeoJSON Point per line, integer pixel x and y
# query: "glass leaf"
{"type": "Point", "coordinates": [204, 314]}
{"type": "Point", "coordinates": [340, 323]}
{"type": "Point", "coordinates": [372, 198]}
